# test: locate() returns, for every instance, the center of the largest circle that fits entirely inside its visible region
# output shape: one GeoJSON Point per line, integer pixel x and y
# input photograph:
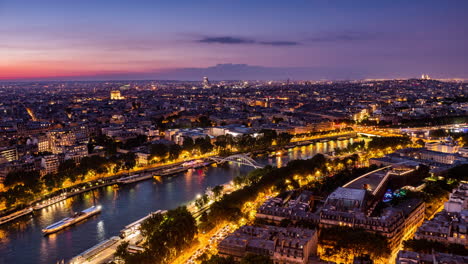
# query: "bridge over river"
{"type": "Point", "coordinates": [241, 159]}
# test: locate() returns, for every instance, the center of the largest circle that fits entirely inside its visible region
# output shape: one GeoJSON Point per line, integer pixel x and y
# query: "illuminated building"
{"type": "Point", "coordinates": [450, 225]}
{"type": "Point", "coordinates": [58, 139]}
{"type": "Point", "coordinates": [458, 200]}
{"type": "Point", "coordinates": [444, 147]}
{"type": "Point", "coordinates": [347, 207]}
{"type": "Point", "coordinates": [353, 206]}
{"type": "Point", "coordinates": [24, 164]}
{"type": "Point", "coordinates": [179, 135]}
{"type": "Point", "coordinates": [360, 115]}
{"type": "Point", "coordinates": [425, 77]}
{"type": "Point", "coordinates": [441, 157]}
{"type": "Point", "coordinates": [276, 209]}
{"type": "Point", "coordinates": [438, 162]}
{"type": "Point", "coordinates": [206, 83]}
{"type": "Point", "coordinates": [142, 158]}
{"type": "Point", "coordinates": [463, 152]}
{"type": "Point", "coordinates": [115, 95]}
{"type": "Point", "coordinates": [9, 153]}
{"type": "Point", "coordinates": [42, 142]}
{"type": "Point", "coordinates": [410, 257]}
{"type": "Point", "coordinates": [283, 245]}
{"type": "Point", "coordinates": [76, 152]}
{"type": "Point", "coordinates": [50, 164]}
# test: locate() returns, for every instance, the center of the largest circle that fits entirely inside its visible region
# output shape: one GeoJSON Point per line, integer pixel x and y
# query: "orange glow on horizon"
{"type": "Point", "coordinates": [84, 66]}
{"type": "Point", "coordinates": [50, 70]}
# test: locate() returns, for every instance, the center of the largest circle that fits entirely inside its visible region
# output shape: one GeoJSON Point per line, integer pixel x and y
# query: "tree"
{"type": "Point", "coordinates": [239, 180]}
{"type": "Point", "coordinates": [230, 141]}
{"type": "Point", "coordinates": [67, 165]}
{"type": "Point", "coordinates": [28, 178]}
{"type": "Point", "coordinates": [438, 133]}
{"type": "Point", "coordinates": [285, 222]}
{"type": "Point", "coordinates": [267, 138]}
{"type": "Point", "coordinates": [217, 191]}
{"type": "Point", "coordinates": [245, 142]}
{"type": "Point", "coordinates": [200, 202]}
{"type": "Point", "coordinates": [92, 163]}
{"type": "Point", "coordinates": [277, 120]}
{"type": "Point", "coordinates": [464, 140]}
{"type": "Point", "coordinates": [188, 144]}
{"type": "Point", "coordinates": [203, 257]}
{"type": "Point", "coordinates": [216, 259]}
{"type": "Point", "coordinates": [204, 144]}
{"type": "Point", "coordinates": [420, 142]}
{"type": "Point", "coordinates": [346, 241]}
{"type": "Point", "coordinates": [204, 217]}
{"type": "Point", "coordinates": [121, 251]}
{"type": "Point", "coordinates": [255, 259]}
{"type": "Point", "coordinates": [135, 142]}
{"type": "Point", "coordinates": [385, 142]}
{"type": "Point", "coordinates": [108, 143]}
{"type": "Point", "coordinates": [283, 139]}
{"type": "Point", "coordinates": [221, 142]}
{"type": "Point", "coordinates": [129, 160]}
{"type": "Point", "coordinates": [159, 150]}
{"type": "Point", "coordinates": [459, 173]}
{"type": "Point", "coordinates": [204, 121]}
{"type": "Point", "coordinates": [20, 194]}
{"type": "Point", "coordinates": [174, 151]}
{"type": "Point", "coordinates": [50, 181]}
{"type": "Point", "coordinates": [165, 236]}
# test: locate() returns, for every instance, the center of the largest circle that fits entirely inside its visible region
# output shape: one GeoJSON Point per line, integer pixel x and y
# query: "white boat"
{"type": "Point", "coordinates": [133, 178]}
{"type": "Point", "coordinates": [194, 164]}
{"type": "Point", "coordinates": [75, 218]}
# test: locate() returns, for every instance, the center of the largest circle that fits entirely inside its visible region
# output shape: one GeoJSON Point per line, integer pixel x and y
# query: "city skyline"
{"type": "Point", "coordinates": [310, 40]}
{"type": "Point", "coordinates": [233, 132]}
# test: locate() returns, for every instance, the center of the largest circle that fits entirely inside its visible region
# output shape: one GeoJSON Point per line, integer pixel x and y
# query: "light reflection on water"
{"type": "Point", "coordinates": [22, 241]}
{"type": "Point", "coordinates": [100, 230]}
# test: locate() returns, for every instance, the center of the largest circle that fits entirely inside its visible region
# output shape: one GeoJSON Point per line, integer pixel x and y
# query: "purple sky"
{"type": "Point", "coordinates": [232, 39]}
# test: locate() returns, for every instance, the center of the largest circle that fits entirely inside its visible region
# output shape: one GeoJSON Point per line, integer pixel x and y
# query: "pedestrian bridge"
{"type": "Point", "coordinates": [241, 159]}
{"type": "Point", "coordinates": [368, 134]}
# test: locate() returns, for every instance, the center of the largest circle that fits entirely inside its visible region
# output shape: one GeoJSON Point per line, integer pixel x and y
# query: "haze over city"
{"type": "Point", "coordinates": [183, 40]}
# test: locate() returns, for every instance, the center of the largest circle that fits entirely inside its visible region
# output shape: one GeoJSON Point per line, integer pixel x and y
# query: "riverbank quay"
{"type": "Point", "coordinates": [87, 186]}
{"type": "Point", "coordinates": [165, 170]}
{"type": "Point", "coordinates": [305, 142]}
{"type": "Point", "coordinates": [63, 194]}
{"type": "Point", "coordinates": [103, 252]}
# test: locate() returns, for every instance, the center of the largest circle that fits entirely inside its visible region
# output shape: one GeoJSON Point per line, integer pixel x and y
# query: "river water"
{"type": "Point", "coordinates": [22, 242]}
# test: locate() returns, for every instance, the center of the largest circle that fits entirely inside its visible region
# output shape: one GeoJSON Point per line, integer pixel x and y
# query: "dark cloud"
{"type": "Point", "coordinates": [343, 37]}
{"type": "Point", "coordinates": [226, 40]}
{"type": "Point", "coordinates": [239, 40]}
{"type": "Point", "coordinates": [280, 43]}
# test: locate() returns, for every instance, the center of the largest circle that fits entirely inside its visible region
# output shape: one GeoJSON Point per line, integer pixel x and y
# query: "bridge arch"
{"type": "Point", "coordinates": [239, 159]}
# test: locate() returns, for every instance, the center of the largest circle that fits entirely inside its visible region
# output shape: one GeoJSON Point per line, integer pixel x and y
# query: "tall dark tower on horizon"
{"type": "Point", "coordinates": [206, 83]}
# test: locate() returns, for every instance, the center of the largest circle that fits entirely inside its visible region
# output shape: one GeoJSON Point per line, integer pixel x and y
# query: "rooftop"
{"type": "Point", "coordinates": [369, 181]}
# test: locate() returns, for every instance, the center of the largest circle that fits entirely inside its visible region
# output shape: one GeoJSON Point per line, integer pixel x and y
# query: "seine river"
{"type": "Point", "coordinates": [21, 241]}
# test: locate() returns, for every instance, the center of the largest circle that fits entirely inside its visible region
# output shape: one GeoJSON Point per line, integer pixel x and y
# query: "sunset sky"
{"type": "Point", "coordinates": [180, 39]}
